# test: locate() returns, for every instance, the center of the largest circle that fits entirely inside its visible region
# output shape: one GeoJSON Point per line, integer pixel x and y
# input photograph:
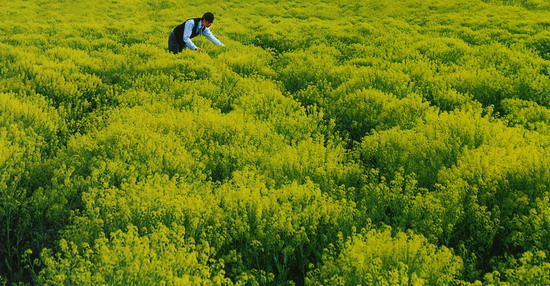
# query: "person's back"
{"type": "Point", "coordinates": [180, 37]}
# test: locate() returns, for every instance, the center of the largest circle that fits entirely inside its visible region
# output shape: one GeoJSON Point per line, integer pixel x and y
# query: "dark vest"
{"type": "Point", "coordinates": [178, 31]}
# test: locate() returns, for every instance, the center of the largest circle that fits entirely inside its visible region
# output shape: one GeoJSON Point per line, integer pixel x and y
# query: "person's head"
{"type": "Point", "coordinates": [207, 19]}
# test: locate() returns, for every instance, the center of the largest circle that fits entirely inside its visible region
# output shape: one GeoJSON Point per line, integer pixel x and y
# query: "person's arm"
{"type": "Point", "coordinates": [189, 25]}
{"type": "Point", "coordinates": [208, 34]}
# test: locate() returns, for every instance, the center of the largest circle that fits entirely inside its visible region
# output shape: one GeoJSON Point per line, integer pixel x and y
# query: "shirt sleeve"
{"type": "Point", "coordinates": [208, 34]}
{"type": "Point", "coordinates": [187, 34]}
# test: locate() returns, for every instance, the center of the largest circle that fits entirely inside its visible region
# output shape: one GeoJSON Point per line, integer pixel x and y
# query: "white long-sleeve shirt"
{"type": "Point", "coordinates": [189, 25]}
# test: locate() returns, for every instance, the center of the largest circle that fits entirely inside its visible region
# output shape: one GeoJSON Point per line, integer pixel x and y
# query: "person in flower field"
{"type": "Point", "coordinates": [180, 37]}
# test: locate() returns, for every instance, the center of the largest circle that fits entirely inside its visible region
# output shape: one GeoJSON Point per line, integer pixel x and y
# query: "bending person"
{"type": "Point", "coordinates": [181, 36]}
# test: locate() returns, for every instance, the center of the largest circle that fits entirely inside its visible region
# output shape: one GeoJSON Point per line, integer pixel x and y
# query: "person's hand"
{"type": "Point", "coordinates": [199, 50]}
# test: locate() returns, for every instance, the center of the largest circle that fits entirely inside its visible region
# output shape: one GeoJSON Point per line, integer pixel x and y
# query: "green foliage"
{"type": "Point", "coordinates": [527, 114]}
{"type": "Point", "coordinates": [437, 143]}
{"type": "Point", "coordinates": [503, 201]}
{"type": "Point", "coordinates": [404, 205]}
{"type": "Point", "coordinates": [29, 132]}
{"type": "Point", "coordinates": [361, 112]}
{"type": "Point", "coordinates": [265, 102]}
{"type": "Point", "coordinates": [126, 257]}
{"type": "Point", "coordinates": [378, 258]}
{"type": "Point", "coordinates": [253, 163]}
{"type": "Point", "coordinates": [278, 230]}
{"type": "Point", "coordinates": [530, 269]}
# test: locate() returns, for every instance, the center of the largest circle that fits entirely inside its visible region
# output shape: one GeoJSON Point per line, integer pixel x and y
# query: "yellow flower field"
{"type": "Point", "coordinates": [327, 143]}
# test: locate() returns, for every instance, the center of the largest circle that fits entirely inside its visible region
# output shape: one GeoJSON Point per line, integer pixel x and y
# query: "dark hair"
{"type": "Point", "coordinates": [209, 17]}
